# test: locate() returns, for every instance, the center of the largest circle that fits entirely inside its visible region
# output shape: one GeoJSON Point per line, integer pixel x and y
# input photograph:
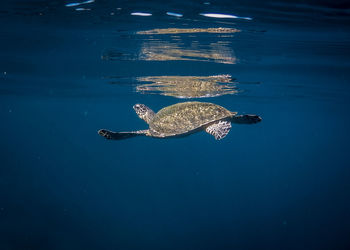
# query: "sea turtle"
{"type": "Point", "coordinates": [182, 119]}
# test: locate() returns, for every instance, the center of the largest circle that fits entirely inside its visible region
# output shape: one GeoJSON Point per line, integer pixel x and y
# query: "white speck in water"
{"type": "Point", "coordinates": [10, 110]}
{"type": "Point", "coordinates": [140, 14]}
{"type": "Point", "coordinates": [5, 73]}
{"type": "Point", "coordinates": [206, 3]}
{"type": "Point", "coordinates": [119, 8]}
{"type": "Point", "coordinates": [112, 13]}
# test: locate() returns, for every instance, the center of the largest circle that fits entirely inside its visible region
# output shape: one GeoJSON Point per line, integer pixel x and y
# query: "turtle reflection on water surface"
{"type": "Point", "coordinates": [182, 119]}
{"type": "Point", "coordinates": [188, 86]}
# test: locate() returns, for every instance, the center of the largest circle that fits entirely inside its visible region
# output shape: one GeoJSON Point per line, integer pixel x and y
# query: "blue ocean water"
{"type": "Point", "coordinates": [70, 68]}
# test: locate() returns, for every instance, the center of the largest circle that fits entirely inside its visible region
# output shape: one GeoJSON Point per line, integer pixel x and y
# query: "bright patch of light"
{"type": "Point", "coordinates": [81, 9]}
{"type": "Point", "coordinates": [174, 14]}
{"type": "Point", "coordinates": [72, 4]}
{"type": "Point", "coordinates": [140, 14]}
{"type": "Point", "coordinates": [77, 4]}
{"type": "Point", "coordinates": [214, 15]}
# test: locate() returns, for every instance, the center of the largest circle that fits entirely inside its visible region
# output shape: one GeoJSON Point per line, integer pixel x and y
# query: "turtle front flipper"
{"type": "Point", "coordinates": [219, 129]}
{"type": "Point", "coordinates": [121, 135]}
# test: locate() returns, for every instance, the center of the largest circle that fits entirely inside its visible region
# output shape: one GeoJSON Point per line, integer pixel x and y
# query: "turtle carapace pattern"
{"type": "Point", "coordinates": [182, 119]}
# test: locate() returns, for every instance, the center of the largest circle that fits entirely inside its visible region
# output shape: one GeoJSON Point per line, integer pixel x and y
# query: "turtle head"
{"type": "Point", "coordinates": [144, 112]}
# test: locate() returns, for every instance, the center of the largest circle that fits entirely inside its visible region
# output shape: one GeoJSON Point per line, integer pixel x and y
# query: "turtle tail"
{"type": "Point", "coordinates": [120, 135]}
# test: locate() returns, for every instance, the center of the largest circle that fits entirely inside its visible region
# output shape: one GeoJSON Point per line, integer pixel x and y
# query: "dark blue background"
{"type": "Point", "coordinates": [279, 184]}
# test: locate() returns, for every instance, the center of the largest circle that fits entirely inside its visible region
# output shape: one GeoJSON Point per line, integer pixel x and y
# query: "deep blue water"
{"type": "Point", "coordinates": [280, 184]}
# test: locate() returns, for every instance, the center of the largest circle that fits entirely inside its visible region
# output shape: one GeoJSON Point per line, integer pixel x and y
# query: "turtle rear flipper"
{"type": "Point", "coordinates": [246, 119]}
{"type": "Point", "coordinates": [219, 129]}
{"type": "Point", "coordinates": [120, 135]}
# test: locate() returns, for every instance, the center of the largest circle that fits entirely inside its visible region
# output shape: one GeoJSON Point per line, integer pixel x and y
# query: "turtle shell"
{"type": "Point", "coordinates": [186, 117]}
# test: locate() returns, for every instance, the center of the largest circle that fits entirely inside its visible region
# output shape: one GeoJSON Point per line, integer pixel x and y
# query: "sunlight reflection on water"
{"type": "Point", "coordinates": [214, 15]}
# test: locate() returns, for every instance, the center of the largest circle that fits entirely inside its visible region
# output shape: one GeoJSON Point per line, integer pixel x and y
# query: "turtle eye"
{"type": "Point", "coordinates": [137, 106]}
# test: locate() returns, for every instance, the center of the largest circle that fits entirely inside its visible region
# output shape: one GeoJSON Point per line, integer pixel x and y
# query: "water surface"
{"type": "Point", "coordinates": [69, 68]}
